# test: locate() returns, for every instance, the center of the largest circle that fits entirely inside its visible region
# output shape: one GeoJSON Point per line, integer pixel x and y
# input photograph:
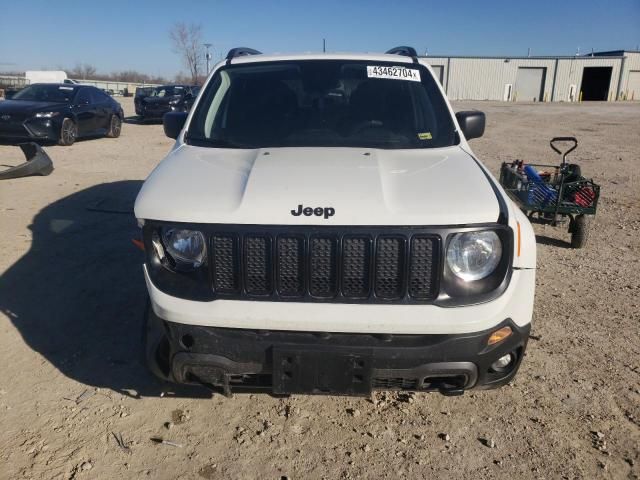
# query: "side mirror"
{"type": "Point", "coordinates": [173, 123]}
{"type": "Point", "coordinates": [471, 123]}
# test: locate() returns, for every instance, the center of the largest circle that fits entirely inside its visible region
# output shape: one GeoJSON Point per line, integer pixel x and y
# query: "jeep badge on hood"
{"type": "Point", "coordinates": [318, 211]}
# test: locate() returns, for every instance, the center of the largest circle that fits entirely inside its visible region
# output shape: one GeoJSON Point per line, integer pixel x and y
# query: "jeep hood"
{"type": "Point", "coordinates": [364, 187]}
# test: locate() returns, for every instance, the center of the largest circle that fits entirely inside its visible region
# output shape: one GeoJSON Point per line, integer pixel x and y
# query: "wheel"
{"type": "Point", "coordinates": [574, 173]}
{"type": "Point", "coordinates": [115, 126]}
{"type": "Point", "coordinates": [575, 169]}
{"type": "Point", "coordinates": [580, 231]}
{"type": "Point", "coordinates": [68, 132]}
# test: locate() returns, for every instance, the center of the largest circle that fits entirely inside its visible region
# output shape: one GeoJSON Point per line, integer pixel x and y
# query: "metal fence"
{"type": "Point", "coordinates": [14, 82]}
{"type": "Point", "coordinates": [116, 88]}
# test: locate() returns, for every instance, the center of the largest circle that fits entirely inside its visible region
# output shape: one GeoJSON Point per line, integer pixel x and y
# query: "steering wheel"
{"type": "Point", "coordinates": [367, 124]}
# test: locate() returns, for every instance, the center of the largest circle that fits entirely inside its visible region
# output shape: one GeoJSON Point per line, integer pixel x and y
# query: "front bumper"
{"type": "Point", "coordinates": [43, 129]}
{"type": "Point", "coordinates": [516, 302]}
{"type": "Point", "coordinates": [285, 362]}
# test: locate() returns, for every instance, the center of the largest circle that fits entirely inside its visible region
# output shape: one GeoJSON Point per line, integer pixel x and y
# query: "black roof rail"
{"type": "Point", "coordinates": [241, 52]}
{"type": "Point", "coordinates": [403, 50]}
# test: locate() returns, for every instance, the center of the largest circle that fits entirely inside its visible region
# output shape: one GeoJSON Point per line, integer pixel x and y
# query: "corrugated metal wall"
{"type": "Point", "coordinates": [466, 78]}
{"type": "Point", "coordinates": [631, 64]}
{"type": "Point", "coordinates": [570, 73]}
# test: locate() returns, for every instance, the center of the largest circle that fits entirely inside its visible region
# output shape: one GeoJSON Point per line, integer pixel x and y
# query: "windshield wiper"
{"type": "Point", "coordinates": [213, 142]}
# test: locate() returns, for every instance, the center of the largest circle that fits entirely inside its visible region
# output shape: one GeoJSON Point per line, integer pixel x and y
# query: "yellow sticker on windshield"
{"type": "Point", "coordinates": [425, 136]}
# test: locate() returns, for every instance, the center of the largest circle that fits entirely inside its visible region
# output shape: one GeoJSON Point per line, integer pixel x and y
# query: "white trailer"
{"type": "Point", "coordinates": [45, 76]}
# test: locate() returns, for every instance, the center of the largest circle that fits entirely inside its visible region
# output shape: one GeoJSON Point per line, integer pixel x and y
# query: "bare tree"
{"type": "Point", "coordinates": [187, 42]}
{"type": "Point", "coordinates": [84, 71]}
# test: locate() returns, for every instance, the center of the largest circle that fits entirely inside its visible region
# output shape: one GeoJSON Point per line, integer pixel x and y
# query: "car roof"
{"type": "Point", "coordinates": [66, 85]}
{"type": "Point", "coordinates": [373, 57]}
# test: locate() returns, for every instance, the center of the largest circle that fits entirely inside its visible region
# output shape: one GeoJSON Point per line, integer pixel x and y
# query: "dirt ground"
{"type": "Point", "coordinates": [77, 403]}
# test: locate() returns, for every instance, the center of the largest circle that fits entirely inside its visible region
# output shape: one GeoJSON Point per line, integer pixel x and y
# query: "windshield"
{"type": "Point", "coordinates": [322, 103]}
{"type": "Point", "coordinates": [167, 91]}
{"type": "Point", "coordinates": [46, 93]}
{"type": "Point", "coordinates": [144, 91]}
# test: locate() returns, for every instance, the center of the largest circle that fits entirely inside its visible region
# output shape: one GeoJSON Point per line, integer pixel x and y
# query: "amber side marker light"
{"type": "Point", "coordinates": [138, 243]}
{"type": "Point", "coordinates": [499, 335]}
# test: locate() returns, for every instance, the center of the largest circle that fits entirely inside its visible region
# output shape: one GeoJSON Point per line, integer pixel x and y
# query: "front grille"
{"type": "Point", "coordinates": [390, 270]}
{"type": "Point", "coordinates": [14, 117]}
{"type": "Point", "coordinates": [325, 266]}
{"type": "Point", "coordinates": [290, 266]}
{"type": "Point", "coordinates": [257, 274]}
{"type": "Point", "coordinates": [322, 267]}
{"type": "Point", "coordinates": [421, 267]}
{"type": "Point", "coordinates": [356, 263]}
{"type": "Point", "coordinates": [225, 264]}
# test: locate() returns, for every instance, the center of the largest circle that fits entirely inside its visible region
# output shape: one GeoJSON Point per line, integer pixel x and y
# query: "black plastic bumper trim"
{"type": "Point", "coordinates": [285, 362]}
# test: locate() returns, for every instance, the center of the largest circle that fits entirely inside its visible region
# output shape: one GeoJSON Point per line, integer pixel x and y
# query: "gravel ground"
{"type": "Point", "coordinates": [76, 402]}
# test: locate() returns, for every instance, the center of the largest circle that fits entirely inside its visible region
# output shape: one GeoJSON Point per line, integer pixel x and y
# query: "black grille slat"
{"type": "Point", "coordinates": [225, 263]}
{"type": "Point", "coordinates": [351, 266]}
{"type": "Point", "coordinates": [389, 281]}
{"type": "Point", "coordinates": [422, 267]}
{"type": "Point", "coordinates": [290, 266]}
{"type": "Point", "coordinates": [322, 263]}
{"type": "Point", "coordinates": [356, 263]}
{"type": "Point", "coordinates": [257, 280]}
{"type": "Point", "coordinates": [395, 383]}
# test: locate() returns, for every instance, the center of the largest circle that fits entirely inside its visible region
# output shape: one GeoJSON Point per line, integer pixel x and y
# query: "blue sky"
{"type": "Point", "coordinates": [119, 35]}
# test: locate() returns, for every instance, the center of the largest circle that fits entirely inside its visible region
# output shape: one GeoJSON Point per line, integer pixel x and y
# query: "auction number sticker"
{"type": "Point", "coordinates": [393, 73]}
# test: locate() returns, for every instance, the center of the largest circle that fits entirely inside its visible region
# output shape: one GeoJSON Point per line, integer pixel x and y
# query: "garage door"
{"type": "Point", "coordinates": [529, 84]}
{"type": "Point", "coordinates": [438, 70]}
{"type": "Point", "coordinates": [633, 85]}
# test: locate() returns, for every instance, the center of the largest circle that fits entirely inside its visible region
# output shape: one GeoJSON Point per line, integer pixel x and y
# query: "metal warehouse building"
{"type": "Point", "coordinates": [603, 76]}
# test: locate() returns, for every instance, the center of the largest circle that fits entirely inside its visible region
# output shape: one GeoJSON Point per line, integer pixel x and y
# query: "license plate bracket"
{"type": "Point", "coordinates": [321, 371]}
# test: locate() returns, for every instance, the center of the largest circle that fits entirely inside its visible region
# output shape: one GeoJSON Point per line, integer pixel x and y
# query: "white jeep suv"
{"type": "Point", "coordinates": [321, 225]}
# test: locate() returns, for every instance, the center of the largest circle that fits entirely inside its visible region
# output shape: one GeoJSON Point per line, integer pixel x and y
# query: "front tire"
{"type": "Point", "coordinates": [68, 132]}
{"type": "Point", "coordinates": [115, 127]}
{"type": "Point", "coordinates": [580, 232]}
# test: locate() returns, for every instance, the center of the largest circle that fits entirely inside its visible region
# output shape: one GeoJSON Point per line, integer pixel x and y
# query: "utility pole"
{"type": "Point", "coordinates": [207, 55]}
{"type": "Point", "coordinates": [324, 45]}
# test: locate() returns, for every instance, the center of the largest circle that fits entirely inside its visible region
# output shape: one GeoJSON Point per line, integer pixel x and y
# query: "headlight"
{"type": "Point", "coordinates": [174, 101]}
{"type": "Point", "coordinates": [474, 255]}
{"type": "Point", "coordinates": [186, 247]}
{"type": "Point", "coordinates": [46, 114]}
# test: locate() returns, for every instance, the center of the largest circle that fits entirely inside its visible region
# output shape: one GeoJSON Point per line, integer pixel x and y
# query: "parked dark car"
{"type": "Point", "coordinates": [167, 98]}
{"type": "Point", "coordinates": [141, 92]}
{"type": "Point", "coordinates": [60, 113]}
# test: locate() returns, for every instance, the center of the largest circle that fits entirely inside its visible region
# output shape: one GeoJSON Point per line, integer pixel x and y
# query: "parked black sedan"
{"type": "Point", "coordinates": [60, 113]}
{"type": "Point", "coordinates": [167, 98]}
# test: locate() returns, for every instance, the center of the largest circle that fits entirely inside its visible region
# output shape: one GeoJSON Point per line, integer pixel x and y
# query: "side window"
{"type": "Point", "coordinates": [83, 97]}
{"type": "Point", "coordinates": [97, 96]}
